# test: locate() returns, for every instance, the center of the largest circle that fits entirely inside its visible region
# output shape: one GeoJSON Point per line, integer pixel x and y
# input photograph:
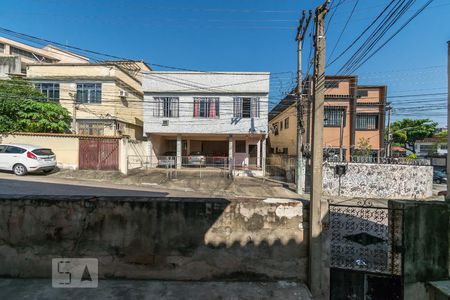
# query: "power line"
{"type": "Point", "coordinates": [418, 12]}
{"type": "Point", "coordinates": [344, 28]}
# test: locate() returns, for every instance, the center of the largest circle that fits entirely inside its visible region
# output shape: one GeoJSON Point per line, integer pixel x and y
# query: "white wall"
{"type": "Point", "coordinates": [188, 85]}
{"type": "Point", "coordinates": [186, 123]}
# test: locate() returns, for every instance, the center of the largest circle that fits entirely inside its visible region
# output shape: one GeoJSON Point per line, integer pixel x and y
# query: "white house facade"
{"type": "Point", "coordinates": [223, 115]}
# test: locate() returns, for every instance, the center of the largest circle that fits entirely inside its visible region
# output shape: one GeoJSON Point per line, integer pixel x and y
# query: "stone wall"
{"type": "Point", "coordinates": [155, 238]}
{"type": "Point", "coordinates": [384, 181]}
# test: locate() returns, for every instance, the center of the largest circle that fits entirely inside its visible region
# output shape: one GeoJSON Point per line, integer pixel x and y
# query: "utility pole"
{"type": "Point", "coordinates": [341, 138]}
{"type": "Point", "coordinates": [387, 152]}
{"type": "Point", "coordinates": [301, 31]}
{"type": "Point", "coordinates": [448, 122]}
{"type": "Point", "coordinates": [319, 268]}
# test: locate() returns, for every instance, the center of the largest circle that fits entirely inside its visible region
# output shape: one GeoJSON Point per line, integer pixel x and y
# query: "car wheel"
{"type": "Point", "coordinates": [20, 170]}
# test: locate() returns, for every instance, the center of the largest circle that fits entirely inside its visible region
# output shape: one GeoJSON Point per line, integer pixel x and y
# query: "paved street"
{"type": "Point", "coordinates": [37, 184]}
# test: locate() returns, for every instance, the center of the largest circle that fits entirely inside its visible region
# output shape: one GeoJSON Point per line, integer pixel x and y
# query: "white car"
{"type": "Point", "coordinates": [22, 159]}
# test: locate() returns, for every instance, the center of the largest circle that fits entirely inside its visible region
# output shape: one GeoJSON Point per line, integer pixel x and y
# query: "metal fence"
{"type": "Point", "coordinates": [382, 160]}
{"type": "Point", "coordinates": [281, 167]}
{"type": "Point", "coordinates": [193, 164]}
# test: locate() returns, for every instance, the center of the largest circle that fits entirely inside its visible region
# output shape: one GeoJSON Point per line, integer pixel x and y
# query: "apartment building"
{"type": "Point", "coordinates": [103, 98]}
{"type": "Point", "coordinates": [359, 108]}
{"type": "Point", "coordinates": [221, 115]}
{"type": "Point", "coordinates": [16, 56]}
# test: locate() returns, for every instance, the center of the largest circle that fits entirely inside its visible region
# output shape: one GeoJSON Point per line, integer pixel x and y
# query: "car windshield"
{"type": "Point", "coordinates": [439, 173]}
{"type": "Point", "coordinates": [43, 151]}
{"type": "Point", "coordinates": [196, 153]}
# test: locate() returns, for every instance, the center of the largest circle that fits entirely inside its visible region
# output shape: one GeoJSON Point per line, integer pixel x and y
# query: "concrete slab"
{"type": "Point", "coordinates": [129, 289]}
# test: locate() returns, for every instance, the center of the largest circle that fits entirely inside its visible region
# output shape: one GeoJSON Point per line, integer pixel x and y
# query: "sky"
{"type": "Point", "coordinates": [251, 35]}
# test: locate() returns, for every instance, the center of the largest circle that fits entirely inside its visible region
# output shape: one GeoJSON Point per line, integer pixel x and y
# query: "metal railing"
{"type": "Point", "coordinates": [381, 160]}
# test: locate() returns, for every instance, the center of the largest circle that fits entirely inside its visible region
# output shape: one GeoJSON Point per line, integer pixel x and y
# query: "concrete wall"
{"type": "Point", "coordinates": [65, 147]}
{"type": "Point", "coordinates": [384, 181]}
{"type": "Point", "coordinates": [156, 238]}
{"type": "Point", "coordinates": [425, 245]}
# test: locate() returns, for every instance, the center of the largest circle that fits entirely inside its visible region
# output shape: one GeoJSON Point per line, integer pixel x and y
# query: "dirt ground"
{"type": "Point", "coordinates": [209, 182]}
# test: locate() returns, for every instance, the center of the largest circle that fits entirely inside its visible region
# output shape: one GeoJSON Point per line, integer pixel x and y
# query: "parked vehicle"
{"type": "Point", "coordinates": [439, 177]}
{"type": "Point", "coordinates": [197, 158]}
{"type": "Point", "coordinates": [168, 160]}
{"type": "Point", "coordinates": [22, 159]}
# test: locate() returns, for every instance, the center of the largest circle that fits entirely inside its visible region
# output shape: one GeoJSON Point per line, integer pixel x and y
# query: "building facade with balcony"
{"type": "Point", "coordinates": [103, 98]}
{"type": "Point", "coordinates": [359, 108]}
{"type": "Point", "coordinates": [222, 115]}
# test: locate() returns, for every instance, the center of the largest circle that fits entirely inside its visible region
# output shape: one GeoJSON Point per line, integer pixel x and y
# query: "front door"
{"type": "Point", "coordinates": [252, 155]}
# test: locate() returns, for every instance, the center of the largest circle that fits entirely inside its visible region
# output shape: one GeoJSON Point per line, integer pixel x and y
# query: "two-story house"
{"type": "Point", "coordinates": [360, 109]}
{"type": "Point", "coordinates": [220, 114]}
{"type": "Point", "coordinates": [103, 98]}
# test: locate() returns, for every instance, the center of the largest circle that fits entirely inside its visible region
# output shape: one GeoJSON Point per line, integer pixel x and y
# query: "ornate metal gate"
{"type": "Point", "coordinates": [366, 250]}
{"type": "Point", "coordinates": [367, 238]}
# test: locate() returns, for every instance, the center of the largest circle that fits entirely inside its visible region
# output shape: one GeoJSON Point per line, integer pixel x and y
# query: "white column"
{"type": "Point", "coordinates": [230, 151]}
{"type": "Point", "coordinates": [179, 158]}
{"type": "Point", "coordinates": [150, 151]}
{"type": "Point", "coordinates": [263, 155]}
{"type": "Point", "coordinates": [123, 155]}
{"type": "Point", "coordinates": [258, 154]}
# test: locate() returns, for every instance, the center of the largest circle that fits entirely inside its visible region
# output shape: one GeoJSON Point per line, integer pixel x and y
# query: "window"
{"type": "Point", "coordinates": [275, 128]}
{"type": "Point", "coordinates": [366, 122]}
{"type": "Point", "coordinates": [167, 107]}
{"type": "Point", "coordinates": [331, 84]}
{"type": "Point", "coordinates": [50, 90]}
{"type": "Point", "coordinates": [30, 55]}
{"type": "Point", "coordinates": [246, 107]}
{"type": "Point", "coordinates": [2, 148]}
{"type": "Point", "coordinates": [206, 107]}
{"type": "Point", "coordinates": [2, 48]}
{"type": "Point", "coordinates": [91, 128]}
{"type": "Point", "coordinates": [281, 125]}
{"type": "Point", "coordinates": [14, 150]}
{"type": "Point", "coordinates": [333, 116]}
{"type": "Point", "coordinates": [89, 92]}
{"type": "Point", "coordinates": [241, 147]}
{"type": "Point", "coordinates": [362, 93]}
{"type": "Point", "coordinates": [426, 148]}
{"type": "Point", "coordinates": [443, 146]}
{"type": "Point", "coordinates": [286, 123]}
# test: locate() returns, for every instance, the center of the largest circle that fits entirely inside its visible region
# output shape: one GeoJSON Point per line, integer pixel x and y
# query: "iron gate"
{"type": "Point", "coordinates": [366, 244]}
{"type": "Point", "coordinates": [367, 238]}
{"type": "Point", "coordinates": [99, 154]}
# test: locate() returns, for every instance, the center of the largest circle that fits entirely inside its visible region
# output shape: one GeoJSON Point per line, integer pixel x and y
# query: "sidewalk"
{"type": "Point", "coordinates": [13, 289]}
{"type": "Point", "coordinates": [211, 183]}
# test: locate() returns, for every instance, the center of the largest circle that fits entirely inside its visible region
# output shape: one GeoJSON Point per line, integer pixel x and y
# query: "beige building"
{"type": "Point", "coordinates": [104, 98]}
{"type": "Point", "coordinates": [15, 56]}
{"type": "Point", "coordinates": [361, 108]}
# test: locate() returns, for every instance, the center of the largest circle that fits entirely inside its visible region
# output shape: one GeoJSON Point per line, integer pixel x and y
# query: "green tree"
{"type": "Point", "coordinates": [25, 109]}
{"type": "Point", "coordinates": [364, 149]}
{"type": "Point", "coordinates": [407, 131]}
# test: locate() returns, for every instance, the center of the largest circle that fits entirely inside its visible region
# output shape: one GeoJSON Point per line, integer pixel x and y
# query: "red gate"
{"type": "Point", "coordinates": [99, 154]}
